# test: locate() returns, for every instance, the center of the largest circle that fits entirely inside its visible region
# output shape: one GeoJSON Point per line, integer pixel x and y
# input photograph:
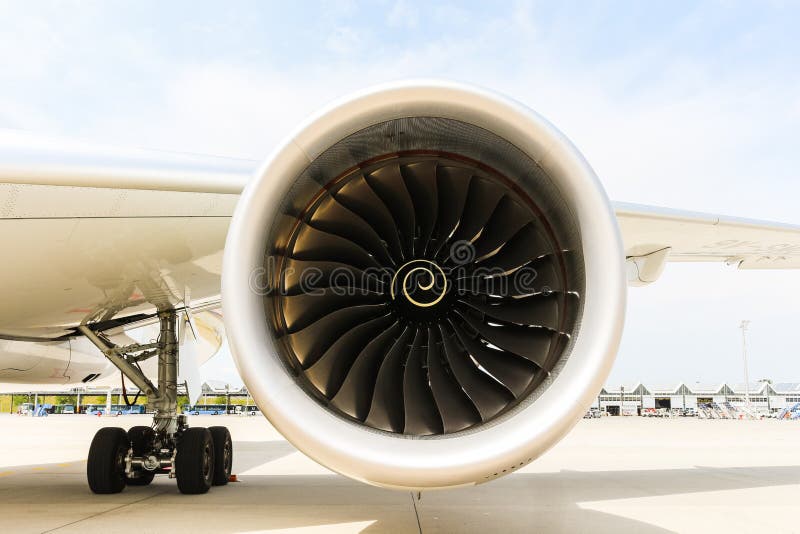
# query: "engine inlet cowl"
{"type": "Point", "coordinates": [424, 286]}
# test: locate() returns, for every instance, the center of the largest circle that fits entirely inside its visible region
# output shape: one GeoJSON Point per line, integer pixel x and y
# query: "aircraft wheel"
{"type": "Point", "coordinates": [194, 461]}
{"type": "Point", "coordinates": [141, 438]}
{"type": "Point", "coordinates": [105, 466]}
{"type": "Point", "coordinates": [223, 454]}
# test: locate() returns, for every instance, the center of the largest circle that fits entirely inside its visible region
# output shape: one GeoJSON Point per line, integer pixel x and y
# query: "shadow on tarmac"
{"type": "Point", "coordinates": [55, 496]}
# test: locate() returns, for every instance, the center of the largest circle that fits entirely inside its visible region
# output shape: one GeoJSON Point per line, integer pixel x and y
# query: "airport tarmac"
{"type": "Point", "coordinates": [609, 475]}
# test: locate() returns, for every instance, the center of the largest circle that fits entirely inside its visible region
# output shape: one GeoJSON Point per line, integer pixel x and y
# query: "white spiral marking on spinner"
{"type": "Point", "coordinates": [425, 287]}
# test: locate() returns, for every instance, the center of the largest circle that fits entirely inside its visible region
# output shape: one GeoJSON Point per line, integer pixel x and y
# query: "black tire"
{"type": "Point", "coordinates": [223, 454]}
{"type": "Point", "coordinates": [140, 438]}
{"type": "Point", "coordinates": [105, 466]}
{"type": "Point", "coordinates": [194, 461]}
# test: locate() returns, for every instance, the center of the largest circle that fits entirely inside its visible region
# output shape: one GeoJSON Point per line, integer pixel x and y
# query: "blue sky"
{"type": "Point", "coordinates": [692, 105]}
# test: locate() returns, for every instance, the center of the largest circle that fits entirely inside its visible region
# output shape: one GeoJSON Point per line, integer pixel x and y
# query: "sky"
{"type": "Point", "coordinates": [691, 105]}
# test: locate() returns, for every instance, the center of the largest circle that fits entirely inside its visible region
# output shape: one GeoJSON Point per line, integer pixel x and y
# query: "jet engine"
{"type": "Point", "coordinates": [424, 286]}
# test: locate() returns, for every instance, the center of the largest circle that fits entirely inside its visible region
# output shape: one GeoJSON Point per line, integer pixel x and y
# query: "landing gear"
{"type": "Point", "coordinates": [105, 468]}
{"type": "Point", "coordinates": [195, 461]}
{"type": "Point", "coordinates": [142, 440]}
{"type": "Point", "coordinates": [197, 457]}
{"type": "Point", "coordinates": [223, 454]}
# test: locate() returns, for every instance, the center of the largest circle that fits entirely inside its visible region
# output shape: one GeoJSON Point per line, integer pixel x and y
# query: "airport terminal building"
{"type": "Point", "coordinates": [630, 399]}
{"type": "Point", "coordinates": [626, 399]}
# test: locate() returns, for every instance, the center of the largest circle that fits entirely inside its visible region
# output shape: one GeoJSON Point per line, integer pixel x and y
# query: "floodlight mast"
{"type": "Point", "coordinates": [744, 325]}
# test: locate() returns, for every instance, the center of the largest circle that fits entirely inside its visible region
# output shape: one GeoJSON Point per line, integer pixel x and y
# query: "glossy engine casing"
{"type": "Point", "coordinates": [467, 457]}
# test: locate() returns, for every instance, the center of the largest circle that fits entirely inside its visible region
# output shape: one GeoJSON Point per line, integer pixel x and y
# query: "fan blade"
{"type": "Point", "coordinates": [526, 245]}
{"type": "Point", "coordinates": [507, 219]}
{"type": "Point", "coordinates": [329, 372]}
{"type": "Point", "coordinates": [305, 276]}
{"type": "Point", "coordinates": [453, 185]}
{"type": "Point", "coordinates": [388, 183]}
{"type": "Point", "coordinates": [481, 201]}
{"type": "Point", "coordinates": [333, 218]}
{"type": "Point", "coordinates": [545, 273]}
{"type": "Point", "coordinates": [421, 184]}
{"type": "Point", "coordinates": [538, 276]}
{"type": "Point", "coordinates": [513, 372]}
{"type": "Point", "coordinates": [387, 410]}
{"type": "Point", "coordinates": [393, 349]}
{"type": "Point", "coordinates": [355, 395]}
{"type": "Point", "coordinates": [311, 342]}
{"type": "Point", "coordinates": [529, 342]}
{"type": "Point", "coordinates": [357, 196]}
{"type": "Point", "coordinates": [316, 245]}
{"type": "Point", "coordinates": [299, 311]}
{"type": "Point", "coordinates": [488, 396]}
{"type": "Point", "coordinates": [534, 310]}
{"type": "Point", "coordinates": [421, 415]}
{"type": "Point", "coordinates": [456, 408]}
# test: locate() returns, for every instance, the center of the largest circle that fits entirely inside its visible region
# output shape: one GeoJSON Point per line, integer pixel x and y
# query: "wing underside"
{"type": "Point", "coordinates": [99, 234]}
{"type": "Point", "coordinates": [654, 235]}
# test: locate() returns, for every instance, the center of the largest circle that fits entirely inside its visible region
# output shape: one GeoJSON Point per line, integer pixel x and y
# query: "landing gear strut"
{"type": "Point", "coordinates": [197, 457]}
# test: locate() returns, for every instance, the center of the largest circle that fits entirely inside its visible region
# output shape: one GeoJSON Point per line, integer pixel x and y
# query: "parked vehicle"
{"type": "Point", "coordinates": [116, 409]}
{"type": "Point", "coordinates": [246, 410]}
{"type": "Point", "coordinates": [134, 409]}
{"type": "Point", "coordinates": [204, 409]}
{"type": "Point", "coordinates": [64, 409]}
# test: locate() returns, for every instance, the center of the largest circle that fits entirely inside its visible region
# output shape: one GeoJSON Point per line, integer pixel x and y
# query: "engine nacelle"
{"type": "Point", "coordinates": [424, 286]}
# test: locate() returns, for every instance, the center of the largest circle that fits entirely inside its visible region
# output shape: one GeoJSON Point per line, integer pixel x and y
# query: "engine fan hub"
{"type": "Point", "coordinates": [421, 291]}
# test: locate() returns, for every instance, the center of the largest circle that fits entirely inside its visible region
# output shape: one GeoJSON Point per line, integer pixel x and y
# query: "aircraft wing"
{"type": "Point", "coordinates": [95, 234]}
{"type": "Point", "coordinates": [654, 235]}
{"type": "Point", "coordinates": [27, 159]}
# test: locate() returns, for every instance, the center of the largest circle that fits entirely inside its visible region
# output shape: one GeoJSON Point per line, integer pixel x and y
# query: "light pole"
{"type": "Point", "coordinates": [744, 325]}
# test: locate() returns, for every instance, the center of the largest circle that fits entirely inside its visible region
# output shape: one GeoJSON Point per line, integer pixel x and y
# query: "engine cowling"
{"type": "Point", "coordinates": [424, 286]}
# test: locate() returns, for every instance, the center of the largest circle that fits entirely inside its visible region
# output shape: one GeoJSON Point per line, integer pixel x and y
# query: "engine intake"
{"type": "Point", "coordinates": [424, 286]}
